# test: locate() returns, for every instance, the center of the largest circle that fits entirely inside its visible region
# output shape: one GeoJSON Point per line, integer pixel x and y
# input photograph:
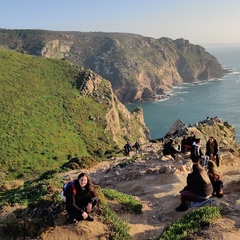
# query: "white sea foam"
{"type": "Point", "coordinates": [193, 102]}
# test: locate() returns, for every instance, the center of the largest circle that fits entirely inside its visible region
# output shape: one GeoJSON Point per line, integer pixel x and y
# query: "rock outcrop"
{"type": "Point", "coordinates": [223, 132]}
{"type": "Point", "coordinates": [139, 68]}
{"type": "Point", "coordinates": [120, 123]}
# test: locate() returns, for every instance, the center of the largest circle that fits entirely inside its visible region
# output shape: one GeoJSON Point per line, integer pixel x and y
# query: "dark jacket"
{"type": "Point", "coordinates": [208, 151]}
{"type": "Point", "coordinates": [76, 203]}
{"type": "Point", "coordinates": [169, 149]}
{"type": "Point", "coordinates": [196, 185]}
{"type": "Point", "coordinates": [195, 153]}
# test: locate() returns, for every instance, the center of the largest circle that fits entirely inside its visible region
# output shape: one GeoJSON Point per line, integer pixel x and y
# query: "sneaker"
{"type": "Point", "coordinates": [90, 218]}
{"type": "Point", "coordinates": [181, 208]}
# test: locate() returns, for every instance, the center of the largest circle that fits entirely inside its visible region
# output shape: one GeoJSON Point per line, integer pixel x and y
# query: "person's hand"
{"type": "Point", "coordinates": [84, 215]}
{"type": "Point", "coordinates": [89, 207]}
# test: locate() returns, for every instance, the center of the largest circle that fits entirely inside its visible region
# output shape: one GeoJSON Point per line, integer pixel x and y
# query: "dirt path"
{"type": "Point", "coordinates": [159, 193]}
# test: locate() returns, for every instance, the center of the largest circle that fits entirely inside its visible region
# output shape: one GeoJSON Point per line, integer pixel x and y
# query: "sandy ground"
{"type": "Point", "coordinates": [159, 194]}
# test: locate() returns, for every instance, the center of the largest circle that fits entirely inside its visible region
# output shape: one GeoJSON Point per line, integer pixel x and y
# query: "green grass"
{"type": "Point", "coordinates": [128, 201]}
{"type": "Point", "coordinates": [190, 223]}
{"type": "Point", "coordinates": [46, 119]}
{"type": "Point", "coordinates": [45, 187]}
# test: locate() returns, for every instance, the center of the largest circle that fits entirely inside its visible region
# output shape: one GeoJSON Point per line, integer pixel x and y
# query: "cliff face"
{"type": "Point", "coordinates": [120, 123]}
{"type": "Point", "coordinates": [139, 68]}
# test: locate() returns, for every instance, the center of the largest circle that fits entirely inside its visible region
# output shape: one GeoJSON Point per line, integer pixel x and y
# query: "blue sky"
{"type": "Point", "coordinates": [199, 21]}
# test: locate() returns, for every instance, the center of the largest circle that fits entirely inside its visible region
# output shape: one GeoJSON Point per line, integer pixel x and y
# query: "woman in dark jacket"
{"type": "Point", "coordinates": [198, 187]}
{"type": "Point", "coordinates": [212, 150]}
{"type": "Point", "coordinates": [81, 198]}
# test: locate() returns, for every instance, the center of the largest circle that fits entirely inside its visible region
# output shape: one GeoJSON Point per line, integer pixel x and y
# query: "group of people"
{"type": "Point", "coordinates": [204, 181]}
{"type": "Point", "coordinates": [201, 185]}
{"type": "Point", "coordinates": [187, 142]}
{"type": "Point", "coordinates": [194, 145]}
{"type": "Point", "coordinates": [211, 152]}
{"type": "Point", "coordinates": [128, 147]}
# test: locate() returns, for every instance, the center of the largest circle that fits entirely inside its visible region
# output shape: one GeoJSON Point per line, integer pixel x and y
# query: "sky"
{"type": "Point", "coordinates": [199, 21]}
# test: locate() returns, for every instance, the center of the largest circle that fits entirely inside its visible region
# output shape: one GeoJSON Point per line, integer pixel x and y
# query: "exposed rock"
{"type": "Point", "coordinates": [223, 132]}
{"type": "Point", "coordinates": [100, 90]}
{"type": "Point", "coordinates": [139, 68]}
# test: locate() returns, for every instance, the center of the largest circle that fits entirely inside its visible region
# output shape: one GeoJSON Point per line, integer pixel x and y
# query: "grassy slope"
{"type": "Point", "coordinates": [44, 121]}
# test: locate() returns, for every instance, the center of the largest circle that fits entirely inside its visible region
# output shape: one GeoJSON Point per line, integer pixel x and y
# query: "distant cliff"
{"type": "Point", "coordinates": [139, 68]}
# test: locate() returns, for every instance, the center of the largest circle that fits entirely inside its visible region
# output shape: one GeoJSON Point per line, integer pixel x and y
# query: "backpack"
{"type": "Point", "coordinates": [64, 190]}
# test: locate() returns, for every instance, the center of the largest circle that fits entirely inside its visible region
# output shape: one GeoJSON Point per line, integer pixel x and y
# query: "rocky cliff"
{"type": "Point", "coordinates": [139, 68]}
{"type": "Point", "coordinates": [120, 123]}
{"type": "Point", "coordinates": [223, 132]}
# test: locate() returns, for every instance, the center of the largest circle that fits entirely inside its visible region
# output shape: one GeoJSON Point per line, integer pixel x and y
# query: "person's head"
{"type": "Point", "coordinates": [211, 139]}
{"type": "Point", "coordinates": [197, 168]}
{"type": "Point", "coordinates": [212, 167]}
{"type": "Point", "coordinates": [83, 179]}
{"type": "Point", "coordinates": [171, 141]}
{"type": "Point", "coordinates": [198, 141]}
{"type": "Point", "coordinates": [86, 183]}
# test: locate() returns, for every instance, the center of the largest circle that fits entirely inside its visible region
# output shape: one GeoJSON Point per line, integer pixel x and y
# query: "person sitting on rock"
{"type": "Point", "coordinates": [185, 145]}
{"type": "Point", "coordinates": [212, 150]}
{"type": "Point", "coordinates": [216, 179]}
{"type": "Point", "coordinates": [199, 187]}
{"type": "Point", "coordinates": [168, 149]}
{"type": "Point", "coordinates": [197, 154]}
{"type": "Point", "coordinates": [191, 139]}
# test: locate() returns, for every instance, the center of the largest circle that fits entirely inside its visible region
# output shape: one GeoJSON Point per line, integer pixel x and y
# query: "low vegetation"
{"type": "Point", "coordinates": [131, 203]}
{"type": "Point", "coordinates": [45, 119]}
{"type": "Point", "coordinates": [38, 205]}
{"type": "Point", "coordinates": [190, 223]}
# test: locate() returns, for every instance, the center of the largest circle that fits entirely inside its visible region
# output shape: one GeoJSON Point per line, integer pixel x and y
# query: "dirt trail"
{"type": "Point", "coordinates": [159, 194]}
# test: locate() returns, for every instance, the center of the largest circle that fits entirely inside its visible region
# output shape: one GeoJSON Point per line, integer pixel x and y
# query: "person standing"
{"type": "Point", "coordinates": [137, 146]}
{"type": "Point", "coordinates": [127, 148]}
{"type": "Point", "coordinates": [81, 197]}
{"type": "Point", "coordinates": [212, 150]}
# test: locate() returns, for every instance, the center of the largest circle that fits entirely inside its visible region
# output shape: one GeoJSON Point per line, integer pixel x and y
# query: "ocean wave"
{"type": "Point", "coordinates": [234, 73]}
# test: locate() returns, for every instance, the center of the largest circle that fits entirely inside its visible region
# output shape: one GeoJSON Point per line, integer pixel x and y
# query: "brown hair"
{"type": "Point", "coordinates": [89, 185]}
{"type": "Point", "coordinates": [197, 167]}
{"type": "Point", "coordinates": [212, 167]}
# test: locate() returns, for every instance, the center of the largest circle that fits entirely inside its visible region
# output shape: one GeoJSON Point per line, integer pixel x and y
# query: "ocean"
{"type": "Point", "coordinates": [192, 103]}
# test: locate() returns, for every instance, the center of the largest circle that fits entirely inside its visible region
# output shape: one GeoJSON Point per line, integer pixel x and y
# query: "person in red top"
{"type": "Point", "coordinates": [81, 197]}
